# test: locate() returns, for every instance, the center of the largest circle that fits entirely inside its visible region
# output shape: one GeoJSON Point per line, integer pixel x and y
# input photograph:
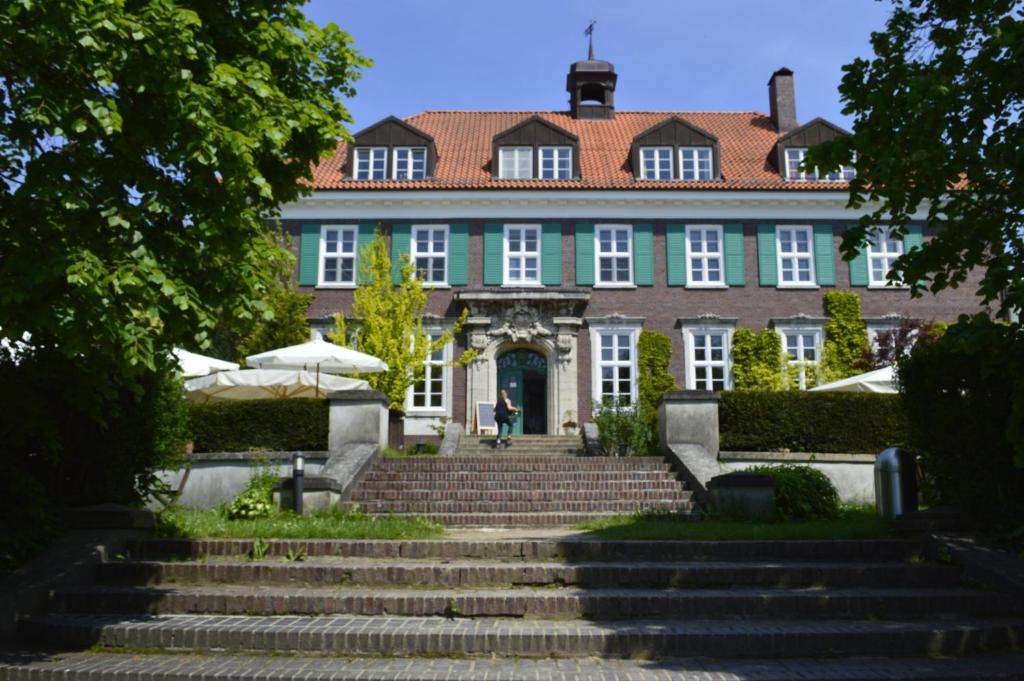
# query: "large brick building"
{"type": "Point", "coordinates": [565, 233]}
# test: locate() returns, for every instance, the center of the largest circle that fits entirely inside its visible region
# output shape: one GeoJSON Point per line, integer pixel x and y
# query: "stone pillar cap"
{"type": "Point", "coordinates": [690, 396]}
{"type": "Point", "coordinates": [358, 396]}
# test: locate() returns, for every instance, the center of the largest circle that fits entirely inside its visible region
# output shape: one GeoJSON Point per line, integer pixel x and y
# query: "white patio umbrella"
{"type": "Point", "coordinates": [318, 355]}
{"type": "Point", "coordinates": [261, 384]}
{"type": "Point", "coordinates": [877, 381]}
{"type": "Point", "coordinates": [192, 364]}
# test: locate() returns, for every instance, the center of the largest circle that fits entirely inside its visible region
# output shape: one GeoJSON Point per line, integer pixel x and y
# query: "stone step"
{"type": "Point", "coordinates": [351, 635]}
{"type": "Point", "coordinates": [570, 549]}
{"type": "Point", "coordinates": [513, 464]}
{"type": "Point", "coordinates": [533, 478]}
{"type": "Point", "coordinates": [474, 574]}
{"type": "Point", "coordinates": [516, 450]}
{"type": "Point", "coordinates": [88, 666]}
{"type": "Point", "coordinates": [625, 486]}
{"type": "Point", "coordinates": [599, 494]}
{"type": "Point", "coordinates": [560, 603]}
{"type": "Point", "coordinates": [563, 519]}
{"type": "Point", "coordinates": [498, 506]}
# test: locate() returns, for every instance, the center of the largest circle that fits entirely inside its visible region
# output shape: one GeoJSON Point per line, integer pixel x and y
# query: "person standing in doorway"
{"type": "Point", "coordinates": [504, 415]}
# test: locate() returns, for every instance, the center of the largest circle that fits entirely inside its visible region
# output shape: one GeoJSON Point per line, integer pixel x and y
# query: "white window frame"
{"type": "Point", "coordinates": [515, 153]}
{"type": "Point", "coordinates": [444, 365]}
{"type": "Point", "coordinates": [691, 282]}
{"type": "Point", "coordinates": [598, 282]}
{"type": "Point", "coordinates": [507, 254]}
{"type": "Point", "coordinates": [690, 346]}
{"type": "Point", "coordinates": [844, 174]}
{"type": "Point", "coordinates": [322, 255]}
{"type": "Point", "coordinates": [657, 151]}
{"type": "Point", "coordinates": [414, 253]}
{"type": "Point", "coordinates": [780, 256]}
{"type": "Point", "coordinates": [802, 330]}
{"type": "Point", "coordinates": [556, 152]}
{"type": "Point", "coordinates": [409, 163]}
{"type": "Point", "coordinates": [882, 238]}
{"type": "Point", "coordinates": [696, 153]}
{"type": "Point", "coordinates": [596, 332]}
{"type": "Point", "coordinates": [370, 153]}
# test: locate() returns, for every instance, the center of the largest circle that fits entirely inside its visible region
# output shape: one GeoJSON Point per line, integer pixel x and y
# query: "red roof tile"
{"type": "Point", "coordinates": [463, 140]}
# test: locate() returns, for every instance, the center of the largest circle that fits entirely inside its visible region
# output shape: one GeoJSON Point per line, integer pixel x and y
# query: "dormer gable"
{"type": "Point", "coordinates": [807, 135]}
{"type": "Point", "coordinates": [535, 133]}
{"type": "Point", "coordinates": [392, 135]}
{"type": "Point", "coordinates": [678, 135]}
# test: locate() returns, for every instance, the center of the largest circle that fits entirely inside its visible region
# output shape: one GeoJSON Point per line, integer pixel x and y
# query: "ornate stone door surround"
{"type": "Point", "coordinates": [543, 320]}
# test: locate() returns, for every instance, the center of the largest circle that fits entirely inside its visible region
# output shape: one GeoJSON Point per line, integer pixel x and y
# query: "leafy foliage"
{"type": "Point", "coordinates": [390, 323]}
{"type": "Point", "coordinates": [846, 337]}
{"type": "Point", "coordinates": [621, 426]}
{"type": "Point", "coordinates": [810, 422]}
{"type": "Point", "coordinates": [757, 360]}
{"type": "Point", "coordinates": [892, 345]}
{"type": "Point", "coordinates": [939, 107]}
{"type": "Point", "coordinates": [256, 500]}
{"type": "Point", "coordinates": [654, 355]}
{"type": "Point", "coordinates": [964, 396]}
{"type": "Point", "coordinates": [283, 323]}
{"type": "Point", "coordinates": [801, 492]}
{"type": "Point", "coordinates": [259, 425]}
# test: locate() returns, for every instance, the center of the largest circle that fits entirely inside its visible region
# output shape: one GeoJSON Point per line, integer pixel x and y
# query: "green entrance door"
{"type": "Point", "coordinates": [524, 374]}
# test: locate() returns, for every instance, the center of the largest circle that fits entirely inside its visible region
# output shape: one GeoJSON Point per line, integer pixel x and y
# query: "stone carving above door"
{"type": "Point", "coordinates": [521, 324]}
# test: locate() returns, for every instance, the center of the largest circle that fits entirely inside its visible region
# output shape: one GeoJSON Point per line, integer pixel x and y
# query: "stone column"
{"type": "Point", "coordinates": [689, 417]}
{"type": "Point", "coordinates": [565, 372]}
{"type": "Point", "coordinates": [357, 417]}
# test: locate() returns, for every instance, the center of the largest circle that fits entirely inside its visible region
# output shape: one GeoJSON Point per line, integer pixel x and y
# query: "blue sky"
{"type": "Point", "coordinates": [670, 54]}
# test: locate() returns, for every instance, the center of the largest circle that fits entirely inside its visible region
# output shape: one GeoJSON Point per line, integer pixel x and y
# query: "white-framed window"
{"type": "Point", "coordinates": [338, 255]}
{"type": "Point", "coordinates": [556, 163]}
{"type": "Point", "coordinates": [431, 393]}
{"type": "Point", "coordinates": [802, 345]}
{"type": "Point", "coordinates": [796, 155]}
{"type": "Point", "coordinates": [704, 258]}
{"type": "Point", "coordinates": [695, 163]}
{"type": "Point", "coordinates": [410, 163]}
{"type": "Point", "coordinates": [429, 250]}
{"type": "Point", "coordinates": [515, 163]}
{"type": "Point", "coordinates": [614, 247]}
{"type": "Point", "coordinates": [522, 255]}
{"type": "Point", "coordinates": [371, 163]}
{"type": "Point", "coordinates": [656, 163]}
{"type": "Point", "coordinates": [884, 248]}
{"type": "Point", "coordinates": [614, 364]}
{"type": "Point", "coordinates": [708, 358]}
{"type": "Point", "coordinates": [794, 245]}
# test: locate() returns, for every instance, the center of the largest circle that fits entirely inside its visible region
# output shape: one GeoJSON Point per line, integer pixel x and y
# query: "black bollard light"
{"type": "Point", "coordinates": [298, 464]}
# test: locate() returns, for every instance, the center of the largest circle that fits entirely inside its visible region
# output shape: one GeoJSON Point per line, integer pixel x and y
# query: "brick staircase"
{"type": "Point", "coordinates": [525, 609]}
{"type": "Point", "coordinates": [539, 481]}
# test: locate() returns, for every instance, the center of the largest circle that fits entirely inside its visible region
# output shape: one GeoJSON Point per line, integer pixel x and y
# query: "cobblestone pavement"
{"type": "Point", "coordinates": [124, 667]}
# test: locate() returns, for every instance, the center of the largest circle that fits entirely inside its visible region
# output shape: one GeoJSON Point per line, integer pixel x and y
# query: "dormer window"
{"type": "Point", "coordinates": [410, 163]}
{"type": "Point", "coordinates": [695, 163]}
{"type": "Point", "coordinates": [675, 149]}
{"type": "Point", "coordinates": [516, 163]}
{"type": "Point", "coordinates": [796, 155]}
{"type": "Point", "coordinates": [656, 163]}
{"type": "Point", "coordinates": [371, 163]}
{"type": "Point", "coordinates": [556, 163]}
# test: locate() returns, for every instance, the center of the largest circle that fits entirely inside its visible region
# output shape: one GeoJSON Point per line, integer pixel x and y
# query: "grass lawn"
{"type": "Point", "coordinates": [286, 525]}
{"type": "Point", "coordinates": [854, 522]}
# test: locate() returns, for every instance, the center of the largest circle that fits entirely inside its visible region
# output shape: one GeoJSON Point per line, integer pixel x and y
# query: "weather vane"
{"type": "Point", "coordinates": [589, 32]}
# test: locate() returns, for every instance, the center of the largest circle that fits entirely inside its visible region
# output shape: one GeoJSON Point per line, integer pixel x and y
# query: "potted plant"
{"type": "Point", "coordinates": [569, 424]}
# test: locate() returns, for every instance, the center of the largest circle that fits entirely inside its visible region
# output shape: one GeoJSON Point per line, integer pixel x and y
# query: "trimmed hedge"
{"type": "Point", "coordinates": [259, 425]}
{"type": "Point", "coordinates": [842, 423]}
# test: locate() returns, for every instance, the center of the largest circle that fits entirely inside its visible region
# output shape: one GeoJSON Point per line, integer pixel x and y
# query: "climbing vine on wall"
{"type": "Point", "coordinates": [757, 360]}
{"type": "Point", "coordinates": [654, 354]}
{"type": "Point", "coordinates": [847, 350]}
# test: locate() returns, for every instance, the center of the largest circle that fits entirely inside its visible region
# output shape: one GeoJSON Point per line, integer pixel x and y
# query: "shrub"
{"type": "Point", "coordinates": [846, 349]}
{"type": "Point", "coordinates": [810, 422]}
{"type": "Point", "coordinates": [757, 360]}
{"type": "Point", "coordinates": [259, 425]}
{"type": "Point", "coordinates": [964, 396]}
{"type": "Point", "coordinates": [619, 424]}
{"type": "Point", "coordinates": [654, 354]}
{"type": "Point", "coordinates": [801, 492]}
{"type": "Point", "coordinates": [257, 500]}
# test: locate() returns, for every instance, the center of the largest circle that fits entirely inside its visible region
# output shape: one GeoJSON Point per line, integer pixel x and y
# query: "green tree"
{"type": "Point", "coordinates": [937, 127]}
{"type": "Point", "coordinates": [757, 360]}
{"type": "Point", "coordinates": [388, 323]}
{"type": "Point", "coordinates": [283, 323]}
{"type": "Point", "coordinates": [847, 351]}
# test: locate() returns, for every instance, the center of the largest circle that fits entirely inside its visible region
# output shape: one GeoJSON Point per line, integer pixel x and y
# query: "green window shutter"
{"type": "Point", "coordinates": [735, 268]}
{"type": "Point", "coordinates": [367, 231]}
{"type": "Point", "coordinates": [824, 255]}
{"type": "Point", "coordinates": [401, 238]}
{"type": "Point", "coordinates": [551, 254]}
{"type": "Point", "coordinates": [458, 254]}
{"type": "Point", "coordinates": [859, 266]}
{"type": "Point", "coordinates": [584, 254]}
{"type": "Point", "coordinates": [675, 254]}
{"type": "Point", "coordinates": [309, 255]}
{"type": "Point", "coordinates": [767, 263]}
{"type": "Point", "coordinates": [643, 255]}
{"type": "Point", "coordinates": [494, 252]}
{"type": "Point", "coordinates": [914, 238]}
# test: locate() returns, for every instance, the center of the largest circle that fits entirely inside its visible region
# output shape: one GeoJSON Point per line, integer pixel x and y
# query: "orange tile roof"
{"type": "Point", "coordinates": [463, 141]}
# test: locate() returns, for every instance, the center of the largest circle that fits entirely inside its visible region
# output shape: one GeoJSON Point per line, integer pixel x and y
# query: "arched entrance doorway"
{"type": "Point", "coordinates": [524, 374]}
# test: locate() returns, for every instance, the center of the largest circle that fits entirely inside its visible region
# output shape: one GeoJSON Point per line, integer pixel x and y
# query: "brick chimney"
{"type": "Point", "coordinates": [782, 99]}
